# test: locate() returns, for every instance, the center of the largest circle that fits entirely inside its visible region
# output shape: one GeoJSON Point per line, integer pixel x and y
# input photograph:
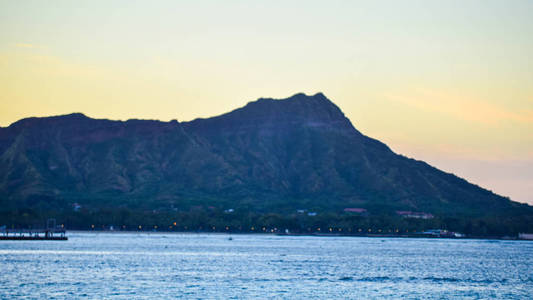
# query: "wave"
{"type": "Point", "coordinates": [414, 279]}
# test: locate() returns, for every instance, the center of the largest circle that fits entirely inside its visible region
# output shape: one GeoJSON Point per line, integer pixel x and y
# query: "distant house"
{"type": "Point", "coordinates": [525, 236]}
{"type": "Point", "coordinates": [311, 214]}
{"type": "Point", "coordinates": [76, 206]}
{"type": "Point", "coordinates": [229, 210]}
{"type": "Point", "coordinates": [443, 233]}
{"type": "Point", "coordinates": [414, 214]}
{"type": "Point", "coordinates": [300, 211]}
{"type": "Point", "coordinates": [356, 210]}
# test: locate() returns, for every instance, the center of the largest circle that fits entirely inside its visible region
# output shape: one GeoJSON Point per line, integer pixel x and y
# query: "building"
{"type": "Point", "coordinates": [76, 206]}
{"type": "Point", "coordinates": [525, 236]}
{"type": "Point", "coordinates": [414, 214]}
{"type": "Point", "coordinates": [355, 210]}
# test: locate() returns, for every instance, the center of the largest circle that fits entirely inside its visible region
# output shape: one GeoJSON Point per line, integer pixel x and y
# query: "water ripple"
{"type": "Point", "coordinates": [146, 266]}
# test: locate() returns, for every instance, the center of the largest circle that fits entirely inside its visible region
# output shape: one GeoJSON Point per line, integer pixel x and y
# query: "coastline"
{"type": "Point", "coordinates": [326, 235]}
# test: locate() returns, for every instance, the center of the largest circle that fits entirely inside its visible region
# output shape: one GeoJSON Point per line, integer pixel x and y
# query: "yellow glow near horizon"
{"type": "Point", "coordinates": [449, 82]}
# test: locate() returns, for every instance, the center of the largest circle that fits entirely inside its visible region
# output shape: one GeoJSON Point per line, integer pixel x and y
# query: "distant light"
{"type": "Point", "coordinates": [140, 227]}
{"type": "Point", "coordinates": [252, 228]}
{"type": "Point", "coordinates": [92, 226]}
{"type": "Point", "coordinates": [330, 229]}
{"type": "Point", "coordinates": [174, 223]}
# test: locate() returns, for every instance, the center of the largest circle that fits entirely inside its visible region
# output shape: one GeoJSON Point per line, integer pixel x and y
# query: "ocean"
{"type": "Point", "coordinates": [93, 265]}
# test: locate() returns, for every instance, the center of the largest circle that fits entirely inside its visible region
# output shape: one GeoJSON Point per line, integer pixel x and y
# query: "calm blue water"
{"type": "Point", "coordinates": [143, 266]}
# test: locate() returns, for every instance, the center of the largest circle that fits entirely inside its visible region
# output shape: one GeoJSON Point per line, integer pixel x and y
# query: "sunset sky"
{"type": "Point", "coordinates": [448, 82]}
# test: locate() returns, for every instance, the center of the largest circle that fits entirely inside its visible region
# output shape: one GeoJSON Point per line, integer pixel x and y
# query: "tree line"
{"type": "Point", "coordinates": [248, 222]}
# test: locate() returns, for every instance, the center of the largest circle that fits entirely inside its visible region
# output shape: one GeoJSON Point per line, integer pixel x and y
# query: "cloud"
{"type": "Point", "coordinates": [463, 107]}
{"type": "Point", "coordinates": [28, 46]}
{"type": "Point", "coordinates": [25, 45]}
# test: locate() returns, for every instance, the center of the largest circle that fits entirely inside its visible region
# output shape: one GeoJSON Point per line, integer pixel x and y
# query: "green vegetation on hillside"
{"type": "Point", "coordinates": [267, 160]}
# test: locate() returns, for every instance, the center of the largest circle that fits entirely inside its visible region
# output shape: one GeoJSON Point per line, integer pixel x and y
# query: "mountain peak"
{"type": "Point", "coordinates": [313, 108]}
{"type": "Point", "coordinates": [299, 109]}
{"type": "Point", "coordinates": [318, 98]}
{"type": "Point", "coordinates": [318, 95]}
{"type": "Point", "coordinates": [317, 107]}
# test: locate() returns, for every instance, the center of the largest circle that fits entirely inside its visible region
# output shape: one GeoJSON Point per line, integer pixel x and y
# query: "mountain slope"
{"type": "Point", "coordinates": [271, 155]}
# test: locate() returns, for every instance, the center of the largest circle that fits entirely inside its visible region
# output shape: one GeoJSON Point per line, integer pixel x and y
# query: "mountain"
{"type": "Point", "coordinates": [268, 156]}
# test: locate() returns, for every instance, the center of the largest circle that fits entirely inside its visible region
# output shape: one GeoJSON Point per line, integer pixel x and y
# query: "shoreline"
{"type": "Point", "coordinates": [413, 236]}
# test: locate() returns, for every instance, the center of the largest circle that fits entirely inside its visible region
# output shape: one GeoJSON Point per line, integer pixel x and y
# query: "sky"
{"type": "Point", "coordinates": [447, 82]}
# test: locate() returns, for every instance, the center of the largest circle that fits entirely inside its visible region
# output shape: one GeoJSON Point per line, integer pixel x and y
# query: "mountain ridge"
{"type": "Point", "coordinates": [270, 155]}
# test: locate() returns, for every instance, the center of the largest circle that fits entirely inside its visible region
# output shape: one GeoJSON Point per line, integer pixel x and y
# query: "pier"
{"type": "Point", "coordinates": [50, 233]}
{"type": "Point", "coordinates": [34, 235]}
